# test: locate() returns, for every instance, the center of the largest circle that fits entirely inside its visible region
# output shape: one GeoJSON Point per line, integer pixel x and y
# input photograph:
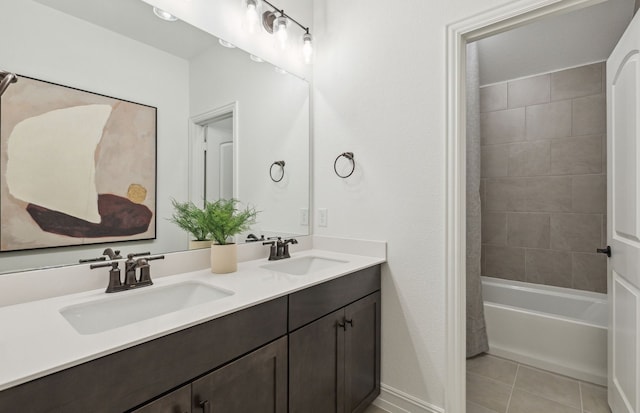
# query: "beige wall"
{"type": "Point", "coordinates": [544, 178]}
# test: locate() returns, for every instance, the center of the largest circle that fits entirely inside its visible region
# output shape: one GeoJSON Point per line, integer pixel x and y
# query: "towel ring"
{"type": "Point", "coordinates": [349, 156]}
{"type": "Point", "coordinates": [281, 165]}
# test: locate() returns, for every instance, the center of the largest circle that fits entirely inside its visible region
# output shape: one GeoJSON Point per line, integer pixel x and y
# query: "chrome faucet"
{"type": "Point", "coordinates": [279, 249]}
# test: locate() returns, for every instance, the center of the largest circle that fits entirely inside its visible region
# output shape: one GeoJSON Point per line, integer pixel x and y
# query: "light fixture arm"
{"type": "Point", "coordinates": [281, 11]}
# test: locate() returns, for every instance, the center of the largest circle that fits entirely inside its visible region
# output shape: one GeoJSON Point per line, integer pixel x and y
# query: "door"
{"type": "Point", "coordinates": [623, 221]}
{"type": "Point", "coordinates": [316, 360]}
{"type": "Point", "coordinates": [362, 353]}
{"type": "Point", "coordinates": [256, 382]}
{"type": "Point", "coordinates": [218, 176]}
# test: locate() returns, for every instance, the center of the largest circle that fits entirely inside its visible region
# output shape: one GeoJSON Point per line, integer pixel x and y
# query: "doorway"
{"type": "Point", "coordinates": [459, 34]}
{"type": "Point", "coordinates": [213, 155]}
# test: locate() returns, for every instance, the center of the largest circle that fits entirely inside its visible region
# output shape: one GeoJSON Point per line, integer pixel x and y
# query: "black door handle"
{"type": "Point", "coordinates": [605, 251]}
{"type": "Point", "coordinates": [205, 406]}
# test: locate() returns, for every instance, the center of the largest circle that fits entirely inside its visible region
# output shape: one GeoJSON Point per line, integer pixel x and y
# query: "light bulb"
{"type": "Point", "coordinates": [252, 15]}
{"type": "Point", "coordinates": [226, 44]}
{"type": "Point", "coordinates": [307, 47]}
{"type": "Point", "coordinates": [280, 30]}
{"type": "Point", "coordinates": [164, 15]}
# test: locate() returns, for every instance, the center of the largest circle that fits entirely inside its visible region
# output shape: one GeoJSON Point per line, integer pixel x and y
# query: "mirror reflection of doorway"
{"type": "Point", "coordinates": [218, 158]}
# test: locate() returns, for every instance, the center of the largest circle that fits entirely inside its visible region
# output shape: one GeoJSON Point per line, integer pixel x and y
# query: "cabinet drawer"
{"type": "Point", "coordinates": [312, 303]}
{"type": "Point", "coordinates": [120, 381]}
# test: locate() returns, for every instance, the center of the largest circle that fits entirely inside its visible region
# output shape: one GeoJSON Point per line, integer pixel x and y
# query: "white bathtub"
{"type": "Point", "coordinates": [552, 328]}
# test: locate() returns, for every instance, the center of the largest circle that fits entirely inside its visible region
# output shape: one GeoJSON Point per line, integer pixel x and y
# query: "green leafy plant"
{"type": "Point", "coordinates": [190, 218]}
{"type": "Point", "coordinates": [223, 219]}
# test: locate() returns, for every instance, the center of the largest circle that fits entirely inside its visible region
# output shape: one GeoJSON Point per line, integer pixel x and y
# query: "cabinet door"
{"type": "Point", "coordinates": [362, 353]}
{"type": "Point", "coordinates": [256, 382]}
{"type": "Point", "coordinates": [178, 401]}
{"type": "Point", "coordinates": [316, 373]}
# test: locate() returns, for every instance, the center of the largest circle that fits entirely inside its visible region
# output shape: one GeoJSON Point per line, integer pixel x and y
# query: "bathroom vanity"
{"type": "Point", "coordinates": [314, 346]}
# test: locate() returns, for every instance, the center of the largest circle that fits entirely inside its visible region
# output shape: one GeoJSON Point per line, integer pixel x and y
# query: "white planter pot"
{"type": "Point", "coordinates": [196, 245]}
{"type": "Point", "coordinates": [224, 258]}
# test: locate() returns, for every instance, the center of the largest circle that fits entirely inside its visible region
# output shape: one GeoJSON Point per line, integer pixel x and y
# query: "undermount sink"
{"type": "Point", "coordinates": [138, 305]}
{"type": "Point", "coordinates": [302, 265]}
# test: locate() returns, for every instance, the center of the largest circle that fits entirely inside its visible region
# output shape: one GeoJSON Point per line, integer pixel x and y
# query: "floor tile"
{"type": "Point", "coordinates": [524, 402]}
{"type": "Point", "coordinates": [476, 408]}
{"type": "Point", "coordinates": [594, 398]}
{"type": "Point", "coordinates": [375, 409]}
{"type": "Point", "coordinates": [493, 367]}
{"type": "Point", "coordinates": [548, 385]}
{"type": "Point", "coordinates": [487, 392]}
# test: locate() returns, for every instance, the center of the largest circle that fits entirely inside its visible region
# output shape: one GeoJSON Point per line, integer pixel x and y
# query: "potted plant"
{"type": "Point", "coordinates": [191, 219]}
{"type": "Point", "coordinates": [223, 220]}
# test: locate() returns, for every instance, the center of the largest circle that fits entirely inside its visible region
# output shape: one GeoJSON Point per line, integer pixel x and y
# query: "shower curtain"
{"type": "Point", "coordinates": [477, 341]}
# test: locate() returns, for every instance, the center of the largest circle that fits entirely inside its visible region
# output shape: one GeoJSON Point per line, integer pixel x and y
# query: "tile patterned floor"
{"type": "Point", "coordinates": [374, 409]}
{"type": "Point", "coordinates": [496, 385]}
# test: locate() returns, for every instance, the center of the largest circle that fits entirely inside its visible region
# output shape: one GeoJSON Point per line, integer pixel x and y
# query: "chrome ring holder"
{"type": "Point", "coordinates": [281, 165]}
{"type": "Point", "coordinates": [349, 156]}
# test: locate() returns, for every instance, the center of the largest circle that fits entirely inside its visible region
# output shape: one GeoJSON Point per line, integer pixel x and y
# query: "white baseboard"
{"type": "Point", "coordinates": [396, 401]}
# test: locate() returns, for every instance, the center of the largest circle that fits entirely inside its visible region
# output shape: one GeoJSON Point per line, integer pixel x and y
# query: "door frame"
{"type": "Point", "coordinates": [458, 34]}
{"type": "Point", "coordinates": [197, 125]}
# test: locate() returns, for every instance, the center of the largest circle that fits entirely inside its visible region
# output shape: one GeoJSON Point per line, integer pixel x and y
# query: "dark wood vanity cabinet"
{"type": "Point", "coordinates": [316, 350]}
{"type": "Point", "coordinates": [178, 401]}
{"type": "Point", "coordinates": [255, 383]}
{"type": "Point", "coordinates": [334, 361]}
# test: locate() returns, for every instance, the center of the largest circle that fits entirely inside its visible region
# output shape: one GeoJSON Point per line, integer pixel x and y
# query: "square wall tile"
{"type": "Point", "coordinates": [551, 120]}
{"type": "Point", "coordinates": [576, 155]}
{"type": "Point", "coordinates": [589, 115]}
{"type": "Point", "coordinates": [494, 160]}
{"type": "Point", "coordinates": [589, 194]}
{"type": "Point", "coordinates": [577, 82]}
{"type": "Point", "coordinates": [506, 194]}
{"type": "Point", "coordinates": [493, 97]}
{"type": "Point", "coordinates": [576, 232]}
{"type": "Point", "coordinates": [548, 267]}
{"type": "Point", "coordinates": [502, 126]}
{"type": "Point", "coordinates": [589, 272]}
{"type": "Point", "coordinates": [529, 158]}
{"type": "Point", "coordinates": [528, 230]}
{"type": "Point", "coordinates": [529, 91]}
{"type": "Point", "coordinates": [504, 262]}
{"type": "Point", "coordinates": [494, 228]}
{"type": "Point", "coordinates": [548, 194]}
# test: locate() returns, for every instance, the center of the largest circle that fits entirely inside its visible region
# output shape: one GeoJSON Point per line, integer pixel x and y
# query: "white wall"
{"type": "Point", "coordinates": [379, 91]}
{"type": "Point", "coordinates": [273, 125]}
{"type": "Point", "coordinates": [567, 40]}
{"type": "Point", "coordinates": [40, 42]}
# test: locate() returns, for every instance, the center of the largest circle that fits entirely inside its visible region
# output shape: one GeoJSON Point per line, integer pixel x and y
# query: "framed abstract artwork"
{"type": "Point", "coordinates": [77, 167]}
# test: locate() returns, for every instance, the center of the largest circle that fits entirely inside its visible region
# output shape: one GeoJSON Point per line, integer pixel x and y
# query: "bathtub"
{"type": "Point", "coordinates": [552, 328]}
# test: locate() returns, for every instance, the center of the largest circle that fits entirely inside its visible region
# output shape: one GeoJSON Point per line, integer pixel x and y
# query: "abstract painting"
{"type": "Point", "coordinates": [77, 167]}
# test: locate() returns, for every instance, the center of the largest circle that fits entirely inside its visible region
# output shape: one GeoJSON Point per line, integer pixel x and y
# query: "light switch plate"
{"type": "Point", "coordinates": [304, 217]}
{"type": "Point", "coordinates": [323, 218]}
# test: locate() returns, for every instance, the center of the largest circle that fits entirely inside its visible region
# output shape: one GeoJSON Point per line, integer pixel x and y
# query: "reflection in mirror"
{"type": "Point", "coordinates": [191, 80]}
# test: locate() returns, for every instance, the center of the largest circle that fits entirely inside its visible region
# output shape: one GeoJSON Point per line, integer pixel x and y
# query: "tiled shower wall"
{"type": "Point", "coordinates": [544, 178]}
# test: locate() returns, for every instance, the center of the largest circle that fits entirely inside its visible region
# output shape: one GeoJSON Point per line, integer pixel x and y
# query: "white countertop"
{"type": "Point", "coordinates": [35, 339]}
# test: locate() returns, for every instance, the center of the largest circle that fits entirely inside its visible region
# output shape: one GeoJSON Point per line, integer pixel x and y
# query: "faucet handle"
{"type": "Point", "coordinates": [138, 254]}
{"type": "Point", "coordinates": [113, 265]}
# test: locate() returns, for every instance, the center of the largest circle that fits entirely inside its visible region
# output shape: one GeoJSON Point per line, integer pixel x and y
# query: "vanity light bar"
{"type": "Point", "coordinates": [277, 25]}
